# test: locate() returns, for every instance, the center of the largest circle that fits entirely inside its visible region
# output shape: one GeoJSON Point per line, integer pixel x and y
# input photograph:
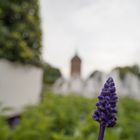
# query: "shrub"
{"type": "Point", "coordinates": [70, 118]}
{"type": "Point", "coordinates": [20, 34]}
{"type": "Point", "coordinates": [51, 74]}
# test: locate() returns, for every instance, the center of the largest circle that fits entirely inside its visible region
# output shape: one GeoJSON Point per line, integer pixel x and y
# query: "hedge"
{"type": "Point", "coordinates": [20, 33]}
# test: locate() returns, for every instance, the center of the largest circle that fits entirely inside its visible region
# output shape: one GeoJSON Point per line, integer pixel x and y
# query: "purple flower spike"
{"type": "Point", "coordinates": [106, 107]}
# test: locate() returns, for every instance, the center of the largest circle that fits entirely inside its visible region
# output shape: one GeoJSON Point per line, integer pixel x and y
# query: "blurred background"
{"type": "Point", "coordinates": [55, 56]}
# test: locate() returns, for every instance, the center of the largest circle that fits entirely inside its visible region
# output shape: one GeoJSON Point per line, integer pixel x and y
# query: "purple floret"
{"type": "Point", "coordinates": [106, 107]}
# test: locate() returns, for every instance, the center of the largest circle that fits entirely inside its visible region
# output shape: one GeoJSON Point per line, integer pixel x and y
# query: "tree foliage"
{"type": "Point", "coordinates": [20, 34]}
{"type": "Point", "coordinates": [51, 74]}
{"type": "Point", "coordinates": [128, 69]}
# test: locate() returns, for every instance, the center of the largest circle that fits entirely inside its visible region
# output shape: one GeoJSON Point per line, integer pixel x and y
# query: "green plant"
{"type": "Point", "coordinates": [20, 34]}
{"type": "Point", "coordinates": [128, 69]}
{"type": "Point", "coordinates": [60, 117]}
{"type": "Point", "coordinates": [4, 129]}
{"type": "Point", "coordinates": [51, 74]}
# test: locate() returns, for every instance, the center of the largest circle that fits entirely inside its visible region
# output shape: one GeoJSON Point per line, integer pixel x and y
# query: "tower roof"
{"type": "Point", "coordinates": [76, 57]}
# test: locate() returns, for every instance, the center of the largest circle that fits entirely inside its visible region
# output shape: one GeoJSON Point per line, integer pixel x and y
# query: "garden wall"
{"type": "Point", "coordinates": [20, 85]}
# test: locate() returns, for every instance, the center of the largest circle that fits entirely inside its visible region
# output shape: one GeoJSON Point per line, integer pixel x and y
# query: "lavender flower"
{"type": "Point", "coordinates": [106, 107]}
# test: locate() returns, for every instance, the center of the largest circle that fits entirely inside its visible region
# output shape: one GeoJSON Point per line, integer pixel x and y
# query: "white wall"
{"type": "Point", "coordinates": [20, 85]}
{"type": "Point", "coordinates": [129, 86]}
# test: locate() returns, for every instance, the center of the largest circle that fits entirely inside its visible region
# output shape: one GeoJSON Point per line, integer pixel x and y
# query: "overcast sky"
{"type": "Point", "coordinates": [106, 33]}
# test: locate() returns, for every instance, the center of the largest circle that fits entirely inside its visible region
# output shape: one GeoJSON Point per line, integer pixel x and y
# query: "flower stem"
{"type": "Point", "coordinates": [101, 132]}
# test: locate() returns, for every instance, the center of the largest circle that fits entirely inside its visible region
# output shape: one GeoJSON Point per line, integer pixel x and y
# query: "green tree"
{"type": "Point", "coordinates": [51, 74]}
{"type": "Point", "coordinates": [128, 69]}
{"type": "Point", "coordinates": [20, 34]}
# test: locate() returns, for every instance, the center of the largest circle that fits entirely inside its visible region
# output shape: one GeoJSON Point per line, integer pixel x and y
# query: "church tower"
{"type": "Point", "coordinates": [76, 66]}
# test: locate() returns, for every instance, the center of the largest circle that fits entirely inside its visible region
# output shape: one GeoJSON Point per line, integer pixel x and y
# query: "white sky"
{"type": "Point", "coordinates": [106, 33]}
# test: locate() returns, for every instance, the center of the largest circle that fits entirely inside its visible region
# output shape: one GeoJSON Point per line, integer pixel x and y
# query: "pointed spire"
{"type": "Point", "coordinates": [76, 52]}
